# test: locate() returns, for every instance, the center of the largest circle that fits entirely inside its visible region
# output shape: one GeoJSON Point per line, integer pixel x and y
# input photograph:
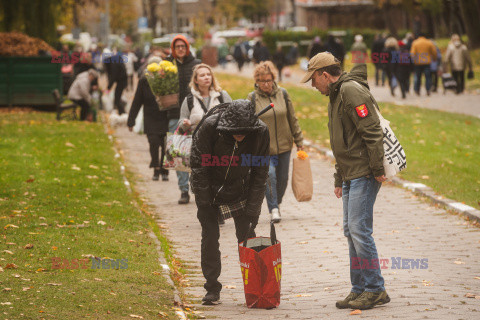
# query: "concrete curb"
{"type": "Point", "coordinates": [417, 188]}
{"type": "Point", "coordinates": [161, 255]}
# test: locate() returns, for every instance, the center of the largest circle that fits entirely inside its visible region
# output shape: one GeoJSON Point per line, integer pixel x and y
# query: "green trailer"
{"type": "Point", "coordinates": [29, 81]}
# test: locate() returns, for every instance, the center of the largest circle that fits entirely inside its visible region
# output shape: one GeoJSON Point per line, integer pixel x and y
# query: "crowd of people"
{"type": "Point", "coordinates": [225, 128]}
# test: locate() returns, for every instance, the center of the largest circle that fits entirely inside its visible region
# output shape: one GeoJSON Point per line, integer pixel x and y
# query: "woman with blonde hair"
{"type": "Point", "coordinates": [205, 94]}
{"type": "Point", "coordinates": [283, 128]}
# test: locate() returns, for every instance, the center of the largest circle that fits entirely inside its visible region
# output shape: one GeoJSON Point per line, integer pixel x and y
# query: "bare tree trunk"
{"type": "Point", "coordinates": [152, 21]}
{"type": "Point", "coordinates": [388, 19]}
{"type": "Point", "coordinates": [470, 13]}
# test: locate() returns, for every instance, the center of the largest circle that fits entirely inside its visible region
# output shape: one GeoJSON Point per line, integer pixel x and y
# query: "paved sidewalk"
{"type": "Point", "coordinates": [465, 103]}
{"type": "Point", "coordinates": [315, 254]}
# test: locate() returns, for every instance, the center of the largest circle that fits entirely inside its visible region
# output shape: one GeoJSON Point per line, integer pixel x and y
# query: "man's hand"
{"type": "Point", "coordinates": [130, 129]}
{"type": "Point", "coordinates": [381, 179]}
{"type": "Point", "coordinates": [338, 192]}
{"type": "Point", "coordinates": [300, 148]}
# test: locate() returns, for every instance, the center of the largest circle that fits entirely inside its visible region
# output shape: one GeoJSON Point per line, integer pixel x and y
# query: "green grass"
{"type": "Point", "coordinates": [442, 148]}
{"type": "Point", "coordinates": [57, 181]}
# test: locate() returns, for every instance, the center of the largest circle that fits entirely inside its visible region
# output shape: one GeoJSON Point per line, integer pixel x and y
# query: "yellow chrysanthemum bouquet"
{"type": "Point", "coordinates": [163, 80]}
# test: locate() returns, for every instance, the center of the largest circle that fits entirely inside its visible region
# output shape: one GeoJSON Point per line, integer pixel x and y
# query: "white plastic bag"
{"type": "Point", "coordinates": [107, 101]}
{"type": "Point", "coordinates": [138, 128]}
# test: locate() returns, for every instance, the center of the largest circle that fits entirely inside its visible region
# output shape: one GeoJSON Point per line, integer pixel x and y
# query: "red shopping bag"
{"type": "Point", "coordinates": [261, 265]}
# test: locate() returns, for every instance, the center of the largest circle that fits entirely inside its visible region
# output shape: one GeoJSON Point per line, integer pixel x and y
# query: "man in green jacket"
{"type": "Point", "coordinates": [356, 139]}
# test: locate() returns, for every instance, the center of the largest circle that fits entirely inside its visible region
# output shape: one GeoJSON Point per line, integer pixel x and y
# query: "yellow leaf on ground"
{"type": "Point", "coordinates": [355, 312]}
{"type": "Point", "coordinates": [10, 226]}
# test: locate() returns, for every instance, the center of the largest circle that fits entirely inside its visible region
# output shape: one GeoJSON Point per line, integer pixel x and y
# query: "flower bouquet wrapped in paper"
{"type": "Point", "coordinates": [163, 80]}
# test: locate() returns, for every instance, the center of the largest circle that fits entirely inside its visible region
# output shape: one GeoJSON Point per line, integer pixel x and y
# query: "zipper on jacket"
{"type": "Point", "coordinates": [235, 146]}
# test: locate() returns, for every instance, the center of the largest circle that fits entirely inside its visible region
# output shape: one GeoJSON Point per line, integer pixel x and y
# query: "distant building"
{"type": "Point", "coordinates": [325, 14]}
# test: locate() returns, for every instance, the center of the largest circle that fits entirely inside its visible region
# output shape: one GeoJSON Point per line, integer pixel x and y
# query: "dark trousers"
{"type": "Point", "coordinates": [118, 97]}
{"type": "Point", "coordinates": [130, 82]}
{"type": "Point", "coordinates": [157, 141]}
{"type": "Point", "coordinates": [379, 69]}
{"type": "Point", "coordinates": [210, 247]}
{"type": "Point", "coordinates": [403, 77]}
{"type": "Point", "coordinates": [85, 108]}
{"type": "Point", "coordinates": [434, 80]}
{"type": "Point", "coordinates": [419, 70]}
{"type": "Point", "coordinates": [459, 77]}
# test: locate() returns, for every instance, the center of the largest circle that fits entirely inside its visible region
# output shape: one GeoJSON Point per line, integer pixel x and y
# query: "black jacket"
{"type": "Point", "coordinates": [116, 71]}
{"type": "Point", "coordinates": [185, 71]}
{"type": "Point", "coordinates": [214, 138]}
{"type": "Point", "coordinates": [155, 121]}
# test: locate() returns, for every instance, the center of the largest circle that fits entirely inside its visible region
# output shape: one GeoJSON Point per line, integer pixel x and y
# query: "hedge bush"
{"type": "Point", "coordinates": [271, 37]}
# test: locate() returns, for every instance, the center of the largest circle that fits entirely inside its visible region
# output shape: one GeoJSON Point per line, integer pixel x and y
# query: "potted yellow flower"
{"type": "Point", "coordinates": [163, 80]}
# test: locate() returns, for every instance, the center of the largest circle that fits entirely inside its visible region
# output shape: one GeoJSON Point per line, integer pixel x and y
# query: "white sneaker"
{"type": "Point", "coordinates": [276, 215]}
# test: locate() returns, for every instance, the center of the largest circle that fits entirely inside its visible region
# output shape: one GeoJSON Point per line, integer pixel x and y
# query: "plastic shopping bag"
{"type": "Point", "coordinates": [261, 265]}
{"type": "Point", "coordinates": [177, 151]}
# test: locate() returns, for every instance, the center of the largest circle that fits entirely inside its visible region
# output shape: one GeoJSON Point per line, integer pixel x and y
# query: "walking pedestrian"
{"type": "Point", "coordinates": [392, 51]}
{"type": "Point", "coordinates": [283, 128]}
{"type": "Point", "coordinates": [185, 62]}
{"type": "Point", "coordinates": [377, 49]}
{"type": "Point", "coordinates": [315, 47]}
{"type": "Point", "coordinates": [423, 52]}
{"type": "Point", "coordinates": [240, 54]}
{"type": "Point", "coordinates": [117, 74]}
{"type": "Point", "coordinates": [205, 94]}
{"type": "Point", "coordinates": [457, 59]}
{"type": "Point", "coordinates": [279, 61]}
{"type": "Point", "coordinates": [129, 65]}
{"type": "Point", "coordinates": [356, 139]}
{"type": "Point", "coordinates": [155, 123]}
{"type": "Point", "coordinates": [234, 133]}
{"type": "Point", "coordinates": [359, 50]}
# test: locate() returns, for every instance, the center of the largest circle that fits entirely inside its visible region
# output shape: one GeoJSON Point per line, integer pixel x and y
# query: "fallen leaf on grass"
{"type": "Point", "coordinates": [355, 312]}
{"type": "Point", "coordinates": [135, 316]}
{"type": "Point", "coordinates": [101, 222]}
{"type": "Point", "coordinates": [92, 166]}
{"type": "Point", "coordinates": [28, 246]}
{"type": "Point", "coordinates": [7, 289]}
{"type": "Point", "coordinates": [74, 167]}
{"type": "Point", "coordinates": [11, 266]}
{"type": "Point", "coordinates": [1, 269]}
{"type": "Point", "coordinates": [71, 145]}
{"type": "Point", "coordinates": [425, 177]}
{"type": "Point", "coordinates": [6, 303]}
{"type": "Point", "coordinates": [26, 288]}
{"type": "Point", "coordinates": [54, 284]}
{"type": "Point", "coordinates": [29, 180]}
{"type": "Point", "coordinates": [8, 251]}
{"type": "Point", "coordinates": [10, 226]}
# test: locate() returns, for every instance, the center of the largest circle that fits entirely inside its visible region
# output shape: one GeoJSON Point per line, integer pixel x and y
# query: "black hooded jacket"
{"type": "Point", "coordinates": [214, 140]}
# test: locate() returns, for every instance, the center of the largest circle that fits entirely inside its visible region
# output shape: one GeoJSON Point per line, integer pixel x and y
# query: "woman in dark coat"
{"type": "Point", "coordinates": [155, 123]}
{"type": "Point", "coordinates": [234, 135]}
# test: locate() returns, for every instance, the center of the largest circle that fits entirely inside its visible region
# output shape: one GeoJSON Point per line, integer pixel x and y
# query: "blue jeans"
{"type": "Point", "coordinates": [277, 180]}
{"type": "Point", "coordinates": [358, 199]}
{"type": "Point", "coordinates": [419, 70]}
{"type": "Point", "coordinates": [182, 176]}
